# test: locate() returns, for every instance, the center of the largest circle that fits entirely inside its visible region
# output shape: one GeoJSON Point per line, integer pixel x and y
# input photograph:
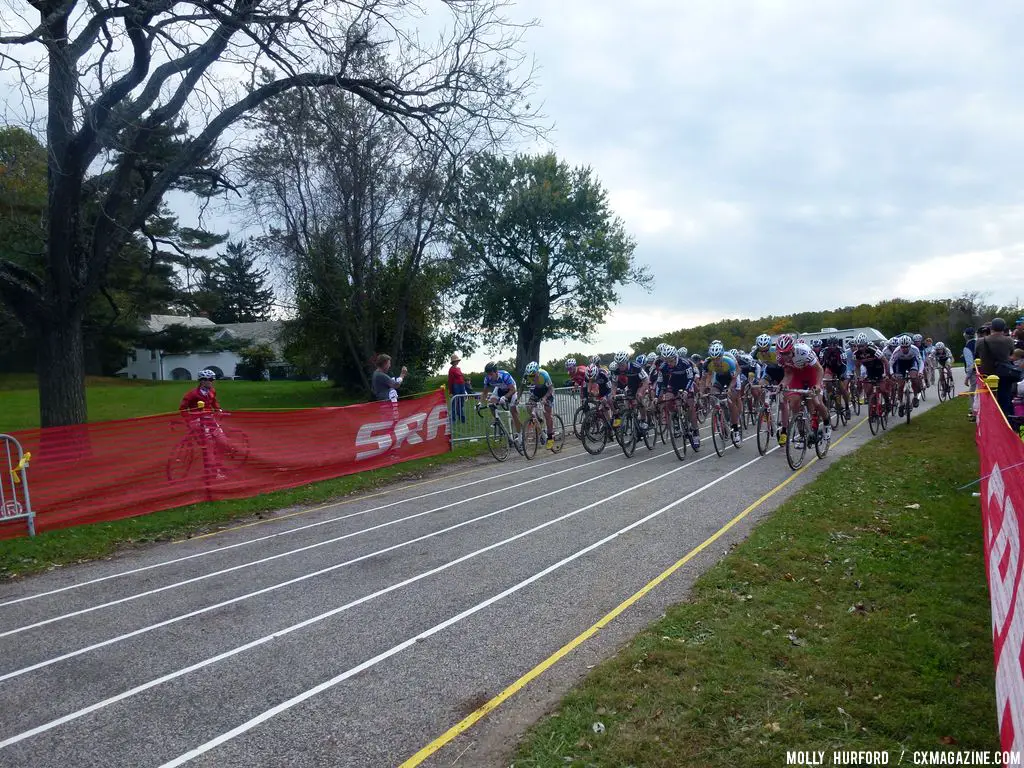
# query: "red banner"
{"type": "Point", "coordinates": [109, 470]}
{"type": "Point", "coordinates": [1002, 504]}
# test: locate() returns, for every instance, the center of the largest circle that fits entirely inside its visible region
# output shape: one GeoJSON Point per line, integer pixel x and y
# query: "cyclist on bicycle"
{"type": "Point", "coordinates": [875, 365]}
{"type": "Point", "coordinates": [632, 378]}
{"type": "Point", "coordinates": [601, 387]}
{"type": "Point", "coordinates": [544, 391]}
{"type": "Point", "coordinates": [767, 368]}
{"type": "Point", "coordinates": [833, 361]}
{"type": "Point", "coordinates": [906, 360]}
{"type": "Point", "coordinates": [802, 371]}
{"type": "Point", "coordinates": [198, 407]}
{"type": "Point", "coordinates": [723, 374]}
{"type": "Point", "coordinates": [678, 377]}
{"type": "Point", "coordinates": [500, 390]}
{"type": "Point", "coordinates": [942, 356]}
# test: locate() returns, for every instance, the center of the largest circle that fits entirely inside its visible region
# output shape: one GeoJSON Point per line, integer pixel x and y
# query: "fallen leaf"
{"type": "Point", "coordinates": [948, 740]}
{"type": "Point", "coordinates": [912, 506]}
{"type": "Point", "coordinates": [773, 727]}
{"type": "Point", "coordinates": [787, 576]}
{"type": "Point", "coordinates": [956, 681]}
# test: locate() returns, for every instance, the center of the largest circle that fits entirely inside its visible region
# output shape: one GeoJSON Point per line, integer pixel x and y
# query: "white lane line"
{"type": "Point", "coordinates": [288, 553]}
{"type": "Point", "coordinates": [295, 700]}
{"type": "Point", "coordinates": [335, 611]}
{"type": "Point", "coordinates": [305, 577]}
{"type": "Point", "coordinates": [247, 542]}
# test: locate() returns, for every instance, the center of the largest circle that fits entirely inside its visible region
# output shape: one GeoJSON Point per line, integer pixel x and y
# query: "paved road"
{"type": "Point", "coordinates": [355, 634]}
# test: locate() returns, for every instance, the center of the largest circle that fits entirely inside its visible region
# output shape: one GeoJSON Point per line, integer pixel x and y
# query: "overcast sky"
{"type": "Point", "coordinates": [792, 155]}
{"type": "Point", "coordinates": [777, 157]}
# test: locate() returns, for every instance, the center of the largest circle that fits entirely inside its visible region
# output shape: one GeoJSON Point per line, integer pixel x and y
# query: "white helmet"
{"type": "Point", "coordinates": [592, 371]}
{"type": "Point", "coordinates": [661, 349]}
{"type": "Point", "coordinates": [918, 338]}
{"type": "Point", "coordinates": [905, 340]}
{"type": "Point", "coordinates": [640, 360]}
{"type": "Point", "coordinates": [595, 359]}
{"type": "Point", "coordinates": [621, 356]}
{"type": "Point", "coordinates": [860, 338]}
{"type": "Point", "coordinates": [570, 363]}
{"type": "Point", "coordinates": [652, 356]}
{"type": "Point", "coordinates": [682, 352]}
{"type": "Point", "coordinates": [672, 352]}
{"type": "Point", "coordinates": [206, 373]}
{"type": "Point", "coordinates": [764, 341]}
{"type": "Point", "coordinates": [802, 355]}
{"type": "Point", "coordinates": [531, 368]}
{"type": "Point", "coordinates": [716, 349]}
{"type": "Point", "coordinates": [939, 346]}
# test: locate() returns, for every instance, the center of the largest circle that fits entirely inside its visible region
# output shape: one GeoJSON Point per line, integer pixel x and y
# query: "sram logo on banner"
{"type": "Point", "coordinates": [1002, 498]}
{"type": "Point", "coordinates": [385, 436]}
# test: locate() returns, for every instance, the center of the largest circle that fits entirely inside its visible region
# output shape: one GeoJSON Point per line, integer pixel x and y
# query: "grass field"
{"type": "Point", "coordinates": [128, 398]}
{"type": "Point", "coordinates": [855, 617]}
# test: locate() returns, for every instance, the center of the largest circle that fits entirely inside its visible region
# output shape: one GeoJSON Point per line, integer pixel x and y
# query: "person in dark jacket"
{"type": "Point", "coordinates": [994, 360]}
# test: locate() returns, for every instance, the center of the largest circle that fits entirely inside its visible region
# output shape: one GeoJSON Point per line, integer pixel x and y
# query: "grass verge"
{"type": "Point", "coordinates": [19, 557]}
{"type": "Point", "coordinates": [850, 619]}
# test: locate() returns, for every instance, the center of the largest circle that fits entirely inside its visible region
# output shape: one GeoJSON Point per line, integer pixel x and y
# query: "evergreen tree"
{"type": "Point", "coordinates": [239, 287]}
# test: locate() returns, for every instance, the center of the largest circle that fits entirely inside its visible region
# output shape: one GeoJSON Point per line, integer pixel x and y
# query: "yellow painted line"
{"type": "Point", "coordinates": [470, 720]}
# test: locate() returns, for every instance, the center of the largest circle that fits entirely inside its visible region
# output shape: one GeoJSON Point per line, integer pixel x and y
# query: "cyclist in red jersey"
{"type": "Point", "coordinates": [198, 407]}
{"type": "Point", "coordinates": [802, 370]}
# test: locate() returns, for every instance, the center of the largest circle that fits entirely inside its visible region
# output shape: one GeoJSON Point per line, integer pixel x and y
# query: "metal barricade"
{"type": "Point", "coordinates": [15, 501]}
{"type": "Point", "coordinates": [468, 425]}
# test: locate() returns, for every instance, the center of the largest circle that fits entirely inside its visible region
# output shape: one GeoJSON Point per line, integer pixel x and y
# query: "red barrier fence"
{"type": "Point", "coordinates": [1001, 455]}
{"type": "Point", "coordinates": [109, 470]}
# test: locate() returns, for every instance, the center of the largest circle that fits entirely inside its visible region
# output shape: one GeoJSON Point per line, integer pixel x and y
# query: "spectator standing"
{"type": "Point", "coordinates": [971, 378]}
{"type": "Point", "coordinates": [993, 354]}
{"type": "Point", "coordinates": [457, 386]}
{"type": "Point", "coordinates": [384, 387]}
{"type": "Point", "coordinates": [1018, 334]}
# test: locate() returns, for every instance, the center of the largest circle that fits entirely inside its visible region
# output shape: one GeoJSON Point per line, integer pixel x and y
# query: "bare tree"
{"type": "Point", "coordinates": [116, 74]}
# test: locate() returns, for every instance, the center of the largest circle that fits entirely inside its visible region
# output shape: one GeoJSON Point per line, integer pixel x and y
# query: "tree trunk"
{"type": "Point", "coordinates": [527, 346]}
{"type": "Point", "coordinates": [61, 369]}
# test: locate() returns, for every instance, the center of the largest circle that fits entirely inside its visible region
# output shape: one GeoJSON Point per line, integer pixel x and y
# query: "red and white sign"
{"type": "Point", "coordinates": [1001, 455]}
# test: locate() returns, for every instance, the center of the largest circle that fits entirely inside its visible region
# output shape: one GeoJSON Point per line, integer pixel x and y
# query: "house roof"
{"type": "Point", "coordinates": [156, 323]}
{"type": "Point", "coordinates": [258, 333]}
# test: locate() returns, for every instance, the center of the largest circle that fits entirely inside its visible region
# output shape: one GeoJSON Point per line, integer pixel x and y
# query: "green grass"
{"type": "Point", "coordinates": [128, 398]}
{"type": "Point", "coordinates": [848, 620]}
{"type": "Point", "coordinates": [19, 557]}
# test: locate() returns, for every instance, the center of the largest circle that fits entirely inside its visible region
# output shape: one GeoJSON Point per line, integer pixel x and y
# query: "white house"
{"type": "Point", "coordinates": [145, 363]}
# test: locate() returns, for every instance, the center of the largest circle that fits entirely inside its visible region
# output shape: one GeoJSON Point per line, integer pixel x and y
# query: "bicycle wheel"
{"type": "Point", "coordinates": [531, 438]}
{"type": "Point", "coordinates": [765, 430]}
{"type": "Point", "coordinates": [595, 433]}
{"type": "Point", "coordinates": [626, 434]}
{"type": "Point", "coordinates": [908, 403]}
{"type": "Point", "coordinates": [875, 413]}
{"type": "Point", "coordinates": [577, 421]}
{"type": "Point", "coordinates": [703, 410]}
{"type": "Point", "coordinates": [677, 435]}
{"type": "Point", "coordinates": [718, 436]}
{"type": "Point", "coordinates": [796, 444]}
{"type": "Point", "coordinates": [855, 401]}
{"type": "Point", "coordinates": [650, 435]}
{"type": "Point", "coordinates": [950, 387]}
{"type": "Point", "coordinates": [831, 403]}
{"type": "Point", "coordinates": [821, 444]}
{"type": "Point", "coordinates": [236, 452]}
{"type": "Point", "coordinates": [497, 440]}
{"type": "Point", "coordinates": [559, 436]}
{"type": "Point", "coordinates": [179, 463]}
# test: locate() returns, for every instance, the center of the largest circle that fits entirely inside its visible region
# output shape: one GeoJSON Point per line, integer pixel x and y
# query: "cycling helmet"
{"type": "Point", "coordinates": [716, 349]}
{"type": "Point", "coordinates": [531, 368]}
{"type": "Point", "coordinates": [595, 359]}
{"type": "Point", "coordinates": [784, 343]}
{"type": "Point", "coordinates": [696, 358]}
{"type": "Point", "coordinates": [613, 366]}
{"type": "Point", "coordinates": [802, 355]}
{"type": "Point", "coordinates": [640, 360]}
{"type": "Point", "coordinates": [491, 368]}
{"type": "Point", "coordinates": [592, 371]}
{"type": "Point", "coordinates": [206, 373]}
{"type": "Point", "coordinates": [918, 338]}
{"type": "Point", "coordinates": [860, 338]}
{"type": "Point", "coordinates": [939, 346]}
{"type": "Point", "coordinates": [764, 341]}
{"type": "Point", "coordinates": [570, 363]}
{"type": "Point", "coordinates": [621, 356]}
{"type": "Point", "coordinates": [661, 349]}
{"type": "Point", "coordinates": [672, 353]}
{"type": "Point", "coordinates": [969, 332]}
{"type": "Point", "coordinates": [816, 344]}
{"type": "Point", "coordinates": [652, 356]}
{"type": "Point", "coordinates": [905, 340]}
{"type": "Point", "coordinates": [682, 352]}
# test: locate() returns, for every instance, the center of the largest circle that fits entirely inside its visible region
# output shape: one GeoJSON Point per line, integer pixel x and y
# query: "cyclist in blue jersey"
{"type": "Point", "coordinates": [544, 391]}
{"type": "Point", "coordinates": [722, 372]}
{"type": "Point", "coordinates": [500, 390]}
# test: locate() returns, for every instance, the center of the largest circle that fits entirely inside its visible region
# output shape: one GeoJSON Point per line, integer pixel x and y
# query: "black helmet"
{"type": "Point", "coordinates": [490, 368]}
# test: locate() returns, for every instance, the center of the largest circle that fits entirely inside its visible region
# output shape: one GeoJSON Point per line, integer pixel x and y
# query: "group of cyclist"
{"type": "Point", "coordinates": [674, 378]}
